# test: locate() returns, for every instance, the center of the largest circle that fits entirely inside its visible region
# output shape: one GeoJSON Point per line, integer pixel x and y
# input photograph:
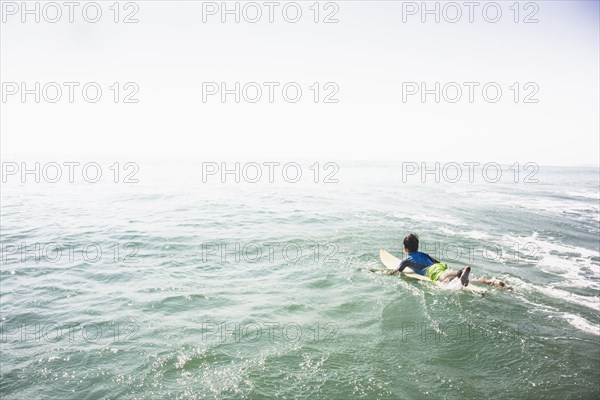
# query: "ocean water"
{"type": "Point", "coordinates": [175, 288]}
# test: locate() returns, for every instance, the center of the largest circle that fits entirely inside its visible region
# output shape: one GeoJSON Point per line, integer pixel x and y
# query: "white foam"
{"type": "Point", "coordinates": [472, 234]}
{"type": "Point", "coordinates": [573, 263]}
{"type": "Point", "coordinates": [587, 194]}
{"type": "Point", "coordinates": [575, 320]}
{"type": "Point", "coordinates": [592, 302]}
{"type": "Point", "coordinates": [444, 220]}
{"type": "Point", "coordinates": [582, 324]}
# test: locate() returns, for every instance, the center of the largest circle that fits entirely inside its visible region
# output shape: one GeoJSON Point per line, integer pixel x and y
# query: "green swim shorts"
{"type": "Point", "coordinates": [433, 272]}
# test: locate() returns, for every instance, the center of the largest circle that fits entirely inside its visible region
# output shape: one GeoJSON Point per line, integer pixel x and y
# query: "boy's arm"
{"type": "Point", "coordinates": [399, 269]}
{"type": "Point", "coordinates": [433, 259]}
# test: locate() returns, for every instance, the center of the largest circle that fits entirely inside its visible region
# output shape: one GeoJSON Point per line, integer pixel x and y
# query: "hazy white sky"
{"type": "Point", "coordinates": [367, 55]}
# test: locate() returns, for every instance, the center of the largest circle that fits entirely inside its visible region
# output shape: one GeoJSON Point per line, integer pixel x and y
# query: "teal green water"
{"type": "Point", "coordinates": [180, 312]}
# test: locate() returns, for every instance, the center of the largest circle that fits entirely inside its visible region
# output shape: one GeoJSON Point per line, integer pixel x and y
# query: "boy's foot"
{"type": "Point", "coordinates": [464, 277]}
{"type": "Point", "coordinates": [502, 285]}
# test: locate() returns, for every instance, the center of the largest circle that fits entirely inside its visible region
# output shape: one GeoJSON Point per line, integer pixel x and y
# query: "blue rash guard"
{"type": "Point", "coordinates": [417, 261]}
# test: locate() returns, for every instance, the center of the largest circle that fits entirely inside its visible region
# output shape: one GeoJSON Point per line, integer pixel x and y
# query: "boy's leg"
{"type": "Point", "coordinates": [448, 276]}
{"type": "Point", "coordinates": [463, 274]}
{"type": "Point", "coordinates": [464, 278]}
{"type": "Point", "coordinates": [493, 283]}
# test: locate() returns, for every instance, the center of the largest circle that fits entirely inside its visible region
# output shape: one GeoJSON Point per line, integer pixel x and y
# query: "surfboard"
{"type": "Point", "coordinates": [392, 262]}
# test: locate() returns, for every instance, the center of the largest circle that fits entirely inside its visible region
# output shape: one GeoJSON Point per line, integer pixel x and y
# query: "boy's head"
{"type": "Point", "coordinates": [411, 243]}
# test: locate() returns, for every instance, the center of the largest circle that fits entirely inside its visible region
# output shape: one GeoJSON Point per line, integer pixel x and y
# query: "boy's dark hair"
{"type": "Point", "coordinates": [411, 243]}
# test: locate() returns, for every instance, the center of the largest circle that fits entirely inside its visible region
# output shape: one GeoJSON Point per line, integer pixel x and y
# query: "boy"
{"type": "Point", "coordinates": [424, 264]}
